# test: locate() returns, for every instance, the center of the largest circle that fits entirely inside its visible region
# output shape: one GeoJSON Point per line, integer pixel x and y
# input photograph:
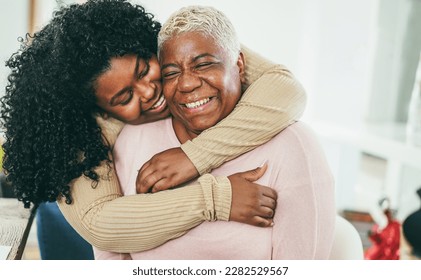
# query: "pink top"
{"type": "Point", "coordinates": [297, 169]}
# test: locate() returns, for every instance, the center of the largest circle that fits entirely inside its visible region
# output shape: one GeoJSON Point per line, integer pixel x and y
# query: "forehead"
{"type": "Point", "coordinates": [188, 45]}
{"type": "Point", "coordinates": [117, 76]}
{"type": "Point", "coordinates": [119, 67]}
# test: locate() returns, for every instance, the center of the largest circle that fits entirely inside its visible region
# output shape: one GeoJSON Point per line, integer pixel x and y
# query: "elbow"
{"type": "Point", "coordinates": [299, 102]}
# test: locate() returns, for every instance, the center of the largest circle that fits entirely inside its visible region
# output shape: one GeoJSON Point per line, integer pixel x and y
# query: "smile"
{"type": "Point", "coordinates": [196, 104]}
{"type": "Point", "coordinates": [159, 102]}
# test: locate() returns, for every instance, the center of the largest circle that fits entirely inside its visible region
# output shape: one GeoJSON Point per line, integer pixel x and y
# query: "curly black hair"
{"type": "Point", "coordinates": [49, 109]}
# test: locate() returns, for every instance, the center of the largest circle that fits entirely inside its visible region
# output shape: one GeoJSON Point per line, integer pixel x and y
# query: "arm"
{"type": "Point", "coordinates": [273, 100]}
{"type": "Point", "coordinates": [117, 223]}
{"type": "Point", "coordinates": [113, 222]}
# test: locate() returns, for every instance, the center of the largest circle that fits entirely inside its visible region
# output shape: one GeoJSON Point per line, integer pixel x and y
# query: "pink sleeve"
{"type": "Point", "coordinates": [305, 214]}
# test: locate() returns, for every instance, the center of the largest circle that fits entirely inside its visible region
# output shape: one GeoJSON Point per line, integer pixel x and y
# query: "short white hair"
{"type": "Point", "coordinates": [206, 20]}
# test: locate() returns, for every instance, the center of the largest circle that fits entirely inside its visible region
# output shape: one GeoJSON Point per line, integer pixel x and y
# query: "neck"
{"type": "Point", "coordinates": [182, 133]}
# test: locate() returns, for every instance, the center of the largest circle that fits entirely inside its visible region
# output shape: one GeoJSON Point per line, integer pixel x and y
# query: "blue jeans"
{"type": "Point", "coordinates": [56, 238]}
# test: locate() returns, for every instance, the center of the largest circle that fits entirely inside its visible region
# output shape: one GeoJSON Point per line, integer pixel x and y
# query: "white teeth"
{"type": "Point", "coordinates": [159, 102]}
{"type": "Point", "coordinates": [196, 104]}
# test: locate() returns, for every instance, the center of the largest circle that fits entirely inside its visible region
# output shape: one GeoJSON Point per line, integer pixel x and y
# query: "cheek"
{"type": "Point", "coordinates": [132, 109]}
{"type": "Point", "coordinates": [154, 72]}
{"type": "Point", "coordinates": [232, 81]}
{"type": "Point", "coordinates": [232, 84]}
{"type": "Point", "coordinates": [127, 112]}
{"type": "Point", "coordinates": [168, 89]}
{"type": "Point", "coordinates": [230, 99]}
{"type": "Point", "coordinates": [175, 110]}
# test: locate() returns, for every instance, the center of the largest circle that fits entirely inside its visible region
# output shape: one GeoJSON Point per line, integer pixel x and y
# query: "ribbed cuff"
{"type": "Point", "coordinates": [218, 195]}
{"type": "Point", "coordinates": [222, 198]}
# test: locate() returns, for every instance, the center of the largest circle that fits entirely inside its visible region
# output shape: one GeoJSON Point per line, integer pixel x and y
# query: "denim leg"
{"type": "Point", "coordinates": [56, 237]}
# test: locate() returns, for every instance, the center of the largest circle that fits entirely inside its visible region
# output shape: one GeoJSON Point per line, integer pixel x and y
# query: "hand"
{"type": "Point", "coordinates": [252, 203]}
{"type": "Point", "coordinates": [165, 170]}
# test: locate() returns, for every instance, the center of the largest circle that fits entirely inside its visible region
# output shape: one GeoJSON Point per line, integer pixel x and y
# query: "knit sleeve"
{"type": "Point", "coordinates": [113, 222]}
{"type": "Point", "coordinates": [273, 100]}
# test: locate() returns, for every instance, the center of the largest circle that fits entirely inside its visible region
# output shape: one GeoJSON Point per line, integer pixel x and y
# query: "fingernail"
{"type": "Point", "coordinates": [272, 224]}
{"type": "Point", "coordinates": [265, 162]}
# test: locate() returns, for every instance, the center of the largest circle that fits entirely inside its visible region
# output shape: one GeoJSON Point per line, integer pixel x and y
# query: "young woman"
{"type": "Point", "coordinates": [60, 131]}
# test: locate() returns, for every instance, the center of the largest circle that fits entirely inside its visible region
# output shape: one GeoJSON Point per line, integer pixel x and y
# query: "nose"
{"type": "Point", "coordinates": [146, 92]}
{"type": "Point", "coordinates": [187, 82]}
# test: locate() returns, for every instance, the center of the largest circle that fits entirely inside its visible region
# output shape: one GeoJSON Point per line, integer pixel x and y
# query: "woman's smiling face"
{"type": "Point", "coordinates": [131, 91]}
{"type": "Point", "coordinates": [201, 82]}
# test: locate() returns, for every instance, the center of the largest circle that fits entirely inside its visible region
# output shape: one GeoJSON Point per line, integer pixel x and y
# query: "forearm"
{"type": "Point", "coordinates": [113, 222]}
{"type": "Point", "coordinates": [273, 101]}
{"type": "Point", "coordinates": [125, 224]}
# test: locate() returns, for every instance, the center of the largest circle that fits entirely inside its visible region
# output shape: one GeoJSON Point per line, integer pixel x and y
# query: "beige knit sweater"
{"type": "Point", "coordinates": [113, 222]}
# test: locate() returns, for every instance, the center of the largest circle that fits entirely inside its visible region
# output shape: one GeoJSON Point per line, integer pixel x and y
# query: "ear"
{"type": "Point", "coordinates": [241, 63]}
{"type": "Point", "coordinates": [104, 115]}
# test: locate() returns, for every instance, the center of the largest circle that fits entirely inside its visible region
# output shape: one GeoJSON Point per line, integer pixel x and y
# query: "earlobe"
{"type": "Point", "coordinates": [104, 115]}
{"type": "Point", "coordinates": [241, 63]}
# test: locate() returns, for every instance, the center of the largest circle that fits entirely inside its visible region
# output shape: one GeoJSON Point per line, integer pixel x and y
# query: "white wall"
{"type": "Point", "coordinates": [13, 23]}
{"type": "Point", "coordinates": [326, 43]}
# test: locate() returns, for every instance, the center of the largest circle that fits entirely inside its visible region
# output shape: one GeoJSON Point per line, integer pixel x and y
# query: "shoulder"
{"type": "Point", "coordinates": [142, 132]}
{"type": "Point", "coordinates": [298, 133]}
{"type": "Point", "coordinates": [299, 141]}
{"type": "Point", "coordinates": [110, 128]}
{"type": "Point", "coordinates": [139, 129]}
{"type": "Point", "coordinates": [300, 159]}
{"type": "Point", "coordinates": [258, 65]}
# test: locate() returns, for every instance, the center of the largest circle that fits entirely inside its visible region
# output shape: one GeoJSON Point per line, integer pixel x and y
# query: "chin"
{"type": "Point", "coordinates": [201, 127]}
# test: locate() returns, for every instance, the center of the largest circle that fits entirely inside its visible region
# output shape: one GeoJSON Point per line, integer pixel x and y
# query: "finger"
{"type": "Point", "coordinates": [162, 185]}
{"type": "Point", "coordinates": [262, 222]}
{"type": "Point", "coordinates": [143, 185]}
{"type": "Point", "coordinates": [255, 174]}
{"type": "Point", "coordinates": [268, 192]}
{"type": "Point", "coordinates": [268, 202]}
{"type": "Point", "coordinates": [265, 212]}
{"type": "Point", "coordinates": [144, 168]}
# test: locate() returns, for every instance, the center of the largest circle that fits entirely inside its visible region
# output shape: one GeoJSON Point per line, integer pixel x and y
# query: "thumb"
{"type": "Point", "coordinates": [254, 174]}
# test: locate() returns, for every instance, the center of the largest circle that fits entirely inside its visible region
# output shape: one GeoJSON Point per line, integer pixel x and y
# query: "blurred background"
{"type": "Point", "coordinates": [357, 61]}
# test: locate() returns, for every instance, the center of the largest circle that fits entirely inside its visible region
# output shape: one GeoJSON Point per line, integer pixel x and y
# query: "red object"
{"type": "Point", "coordinates": [386, 241]}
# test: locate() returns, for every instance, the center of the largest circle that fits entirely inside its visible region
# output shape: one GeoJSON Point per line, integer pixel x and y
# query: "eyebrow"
{"type": "Point", "coordinates": [203, 55]}
{"type": "Point", "coordinates": [193, 60]}
{"type": "Point", "coordinates": [125, 89]}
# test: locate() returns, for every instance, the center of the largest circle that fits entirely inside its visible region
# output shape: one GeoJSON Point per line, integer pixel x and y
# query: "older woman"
{"type": "Point", "coordinates": [61, 123]}
{"type": "Point", "coordinates": [203, 70]}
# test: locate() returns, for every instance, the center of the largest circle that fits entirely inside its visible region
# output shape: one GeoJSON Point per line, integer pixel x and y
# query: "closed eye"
{"type": "Point", "coordinates": [170, 75]}
{"type": "Point", "coordinates": [129, 97]}
{"type": "Point", "coordinates": [126, 98]}
{"type": "Point", "coordinates": [203, 65]}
